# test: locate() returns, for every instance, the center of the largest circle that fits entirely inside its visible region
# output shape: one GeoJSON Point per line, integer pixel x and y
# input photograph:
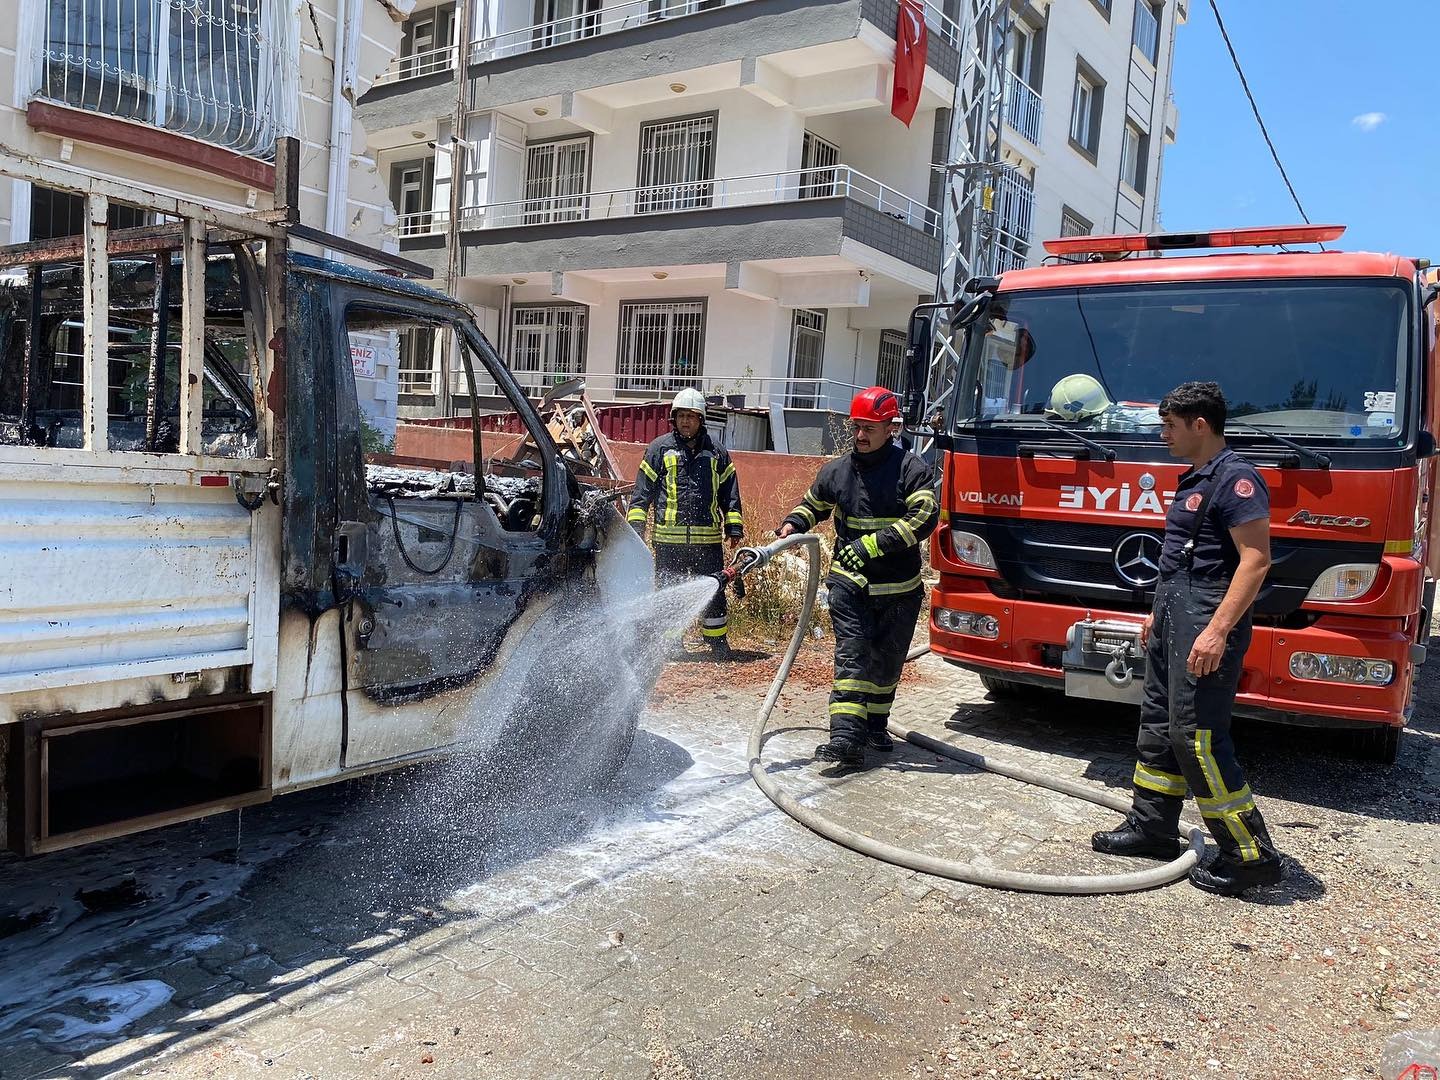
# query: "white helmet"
{"type": "Point", "coordinates": [1077, 397]}
{"type": "Point", "coordinates": [690, 399]}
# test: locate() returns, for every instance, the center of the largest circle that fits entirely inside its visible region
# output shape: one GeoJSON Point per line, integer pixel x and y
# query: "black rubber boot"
{"type": "Point", "coordinates": [720, 650]}
{"type": "Point", "coordinates": [1230, 877]}
{"type": "Point", "coordinates": [1129, 839]}
{"type": "Point", "coordinates": [842, 752]}
{"type": "Point", "coordinates": [879, 739]}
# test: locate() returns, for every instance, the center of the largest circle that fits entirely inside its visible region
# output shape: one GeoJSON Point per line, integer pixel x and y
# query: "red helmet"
{"type": "Point", "coordinates": [876, 404]}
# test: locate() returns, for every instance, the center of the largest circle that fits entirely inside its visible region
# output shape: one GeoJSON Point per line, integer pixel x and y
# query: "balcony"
{"type": "Point", "coordinates": [763, 189]}
{"type": "Point", "coordinates": [631, 14]}
{"type": "Point", "coordinates": [418, 65]}
{"type": "Point", "coordinates": [1023, 108]}
{"type": "Point", "coordinates": [1014, 203]}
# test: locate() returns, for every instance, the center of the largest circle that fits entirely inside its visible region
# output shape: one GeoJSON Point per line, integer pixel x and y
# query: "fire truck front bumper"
{"type": "Point", "coordinates": [1333, 673]}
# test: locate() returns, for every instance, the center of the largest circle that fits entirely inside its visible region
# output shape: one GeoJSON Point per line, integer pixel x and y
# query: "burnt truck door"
{"type": "Point", "coordinates": [428, 576]}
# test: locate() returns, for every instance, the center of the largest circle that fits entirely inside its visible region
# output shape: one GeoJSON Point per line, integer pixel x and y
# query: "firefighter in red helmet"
{"type": "Point", "coordinates": [884, 506]}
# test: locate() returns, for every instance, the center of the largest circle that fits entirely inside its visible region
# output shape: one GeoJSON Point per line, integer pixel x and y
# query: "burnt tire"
{"type": "Point", "coordinates": [1378, 743]}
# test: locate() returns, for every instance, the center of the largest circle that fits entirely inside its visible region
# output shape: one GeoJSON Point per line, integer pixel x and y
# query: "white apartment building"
{"type": "Point", "coordinates": [665, 193]}
{"type": "Point", "coordinates": [188, 97]}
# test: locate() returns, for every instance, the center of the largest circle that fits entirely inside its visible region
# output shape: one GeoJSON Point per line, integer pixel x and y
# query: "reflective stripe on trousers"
{"type": "Point", "coordinates": [872, 636]}
{"type": "Point", "coordinates": [680, 562]}
{"type": "Point", "coordinates": [1184, 742]}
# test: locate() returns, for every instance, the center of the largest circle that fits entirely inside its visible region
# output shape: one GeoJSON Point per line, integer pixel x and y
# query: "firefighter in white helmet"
{"type": "Point", "coordinates": [690, 482]}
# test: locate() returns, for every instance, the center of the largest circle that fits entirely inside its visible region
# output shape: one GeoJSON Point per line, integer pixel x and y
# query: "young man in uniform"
{"type": "Point", "coordinates": [884, 508]}
{"type": "Point", "coordinates": [1215, 556]}
{"type": "Point", "coordinates": [691, 484]}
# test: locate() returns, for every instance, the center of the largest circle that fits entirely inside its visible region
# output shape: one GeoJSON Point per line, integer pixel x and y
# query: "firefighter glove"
{"type": "Point", "coordinates": [854, 555]}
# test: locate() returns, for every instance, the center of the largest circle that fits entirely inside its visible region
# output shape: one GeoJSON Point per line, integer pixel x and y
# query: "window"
{"type": "Point", "coordinates": [1014, 210]}
{"type": "Point", "coordinates": [807, 359]}
{"type": "Point", "coordinates": [54, 214]}
{"type": "Point", "coordinates": [547, 344]}
{"type": "Point", "coordinates": [1073, 224]}
{"type": "Point", "coordinates": [1147, 29]}
{"type": "Point", "coordinates": [1085, 113]}
{"type": "Point", "coordinates": [1134, 157]}
{"type": "Point", "coordinates": [559, 21]}
{"type": "Point", "coordinates": [669, 9]}
{"type": "Point", "coordinates": [427, 43]}
{"type": "Point", "coordinates": [677, 165]}
{"type": "Point", "coordinates": [890, 367]}
{"type": "Point", "coordinates": [417, 371]}
{"type": "Point", "coordinates": [412, 190]}
{"type": "Point", "coordinates": [818, 161]}
{"type": "Point", "coordinates": [556, 176]}
{"type": "Point", "coordinates": [208, 69]}
{"type": "Point", "coordinates": [662, 344]}
{"type": "Point", "coordinates": [1025, 53]}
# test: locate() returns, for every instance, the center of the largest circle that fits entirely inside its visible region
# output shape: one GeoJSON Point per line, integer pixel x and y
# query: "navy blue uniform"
{"type": "Point", "coordinates": [1184, 743]}
{"type": "Point", "coordinates": [696, 496]}
{"type": "Point", "coordinates": [884, 500]}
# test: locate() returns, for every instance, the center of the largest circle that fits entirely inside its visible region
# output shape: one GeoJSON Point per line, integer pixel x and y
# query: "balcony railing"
{"type": "Point", "coordinates": [1023, 108]}
{"type": "Point", "coordinates": [1014, 203]}
{"type": "Point", "coordinates": [631, 13]}
{"type": "Point", "coordinates": [763, 189]}
{"type": "Point", "coordinates": [417, 64]}
{"type": "Point", "coordinates": [1147, 30]}
{"type": "Point", "coordinates": [748, 392]}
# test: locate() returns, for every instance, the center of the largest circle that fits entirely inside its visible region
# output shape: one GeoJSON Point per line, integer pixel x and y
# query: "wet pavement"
{"type": "Point", "coordinates": [677, 925]}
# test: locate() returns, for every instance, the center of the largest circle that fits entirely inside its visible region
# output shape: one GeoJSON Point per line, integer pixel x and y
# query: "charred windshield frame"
{"type": "Point", "coordinates": [969, 399]}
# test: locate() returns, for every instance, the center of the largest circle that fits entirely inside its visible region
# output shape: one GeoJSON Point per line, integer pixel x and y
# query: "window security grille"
{"type": "Point", "coordinates": [677, 165]}
{"type": "Point", "coordinates": [818, 160]}
{"type": "Point", "coordinates": [807, 358]}
{"type": "Point", "coordinates": [547, 344]}
{"type": "Point", "coordinates": [214, 70]}
{"type": "Point", "coordinates": [662, 345]}
{"type": "Point", "coordinates": [556, 175]}
{"type": "Point", "coordinates": [891, 365]}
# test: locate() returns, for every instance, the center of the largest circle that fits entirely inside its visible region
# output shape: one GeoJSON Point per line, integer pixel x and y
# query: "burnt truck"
{"type": "Point", "coordinates": [210, 595]}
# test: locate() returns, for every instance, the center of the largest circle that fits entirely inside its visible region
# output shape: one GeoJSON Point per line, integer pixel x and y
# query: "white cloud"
{"type": "Point", "coordinates": [1369, 121]}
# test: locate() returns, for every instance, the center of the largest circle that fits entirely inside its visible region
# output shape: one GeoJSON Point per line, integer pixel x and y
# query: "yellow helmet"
{"type": "Point", "coordinates": [1077, 397]}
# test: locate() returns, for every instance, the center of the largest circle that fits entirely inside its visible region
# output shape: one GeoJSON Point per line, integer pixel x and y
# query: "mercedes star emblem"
{"type": "Point", "coordinates": [1137, 559]}
{"type": "Point", "coordinates": [1147, 482]}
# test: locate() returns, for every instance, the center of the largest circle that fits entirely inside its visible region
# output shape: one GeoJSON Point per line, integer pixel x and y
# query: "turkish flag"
{"type": "Point", "coordinates": [910, 41]}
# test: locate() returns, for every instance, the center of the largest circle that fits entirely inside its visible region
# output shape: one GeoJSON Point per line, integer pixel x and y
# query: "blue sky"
{"type": "Point", "coordinates": [1348, 96]}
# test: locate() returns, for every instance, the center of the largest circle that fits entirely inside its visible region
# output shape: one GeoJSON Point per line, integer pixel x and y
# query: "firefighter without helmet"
{"type": "Point", "coordinates": [877, 405]}
{"type": "Point", "coordinates": [689, 399]}
{"type": "Point", "coordinates": [1078, 397]}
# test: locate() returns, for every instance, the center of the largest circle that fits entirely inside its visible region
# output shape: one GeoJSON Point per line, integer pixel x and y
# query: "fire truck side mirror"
{"type": "Point", "coordinates": [1424, 444]}
{"type": "Point", "coordinates": [917, 366]}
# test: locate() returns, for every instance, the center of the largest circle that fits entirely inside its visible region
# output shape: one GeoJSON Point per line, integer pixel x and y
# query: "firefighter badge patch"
{"type": "Point", "coordinates": [1244, 488]}
{"type": "Point", "coordinates": [1193, 502]}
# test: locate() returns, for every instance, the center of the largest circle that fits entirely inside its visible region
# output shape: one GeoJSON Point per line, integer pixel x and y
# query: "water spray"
{"type": "Point", "coordinates": [749, 559]}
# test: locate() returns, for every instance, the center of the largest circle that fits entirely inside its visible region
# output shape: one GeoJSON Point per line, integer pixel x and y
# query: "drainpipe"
{"type": "Point", "coordinates": [348, 14]}
{"type": "Point", "coordinates": [459, 146]}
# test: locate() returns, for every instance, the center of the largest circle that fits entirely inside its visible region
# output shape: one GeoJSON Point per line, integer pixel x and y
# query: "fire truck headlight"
{"type": "Point", "coordinates": [1344, 582]}
{"type": "Point", "coordinates": [972, 550]}
{"type": "Point", "coordinates": [1328, 667]}
{"type": "Point", "coordinates": [969, 623]}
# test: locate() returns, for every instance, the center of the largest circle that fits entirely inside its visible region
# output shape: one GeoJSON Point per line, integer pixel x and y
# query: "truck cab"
{"type": "Point", "coordinates": [213, 594]}
{"type": "Point", "coordinates": [1048, 556]}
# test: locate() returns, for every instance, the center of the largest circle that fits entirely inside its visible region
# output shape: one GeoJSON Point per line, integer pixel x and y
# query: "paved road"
{"type": "Point", "coordinates": [678, 926]}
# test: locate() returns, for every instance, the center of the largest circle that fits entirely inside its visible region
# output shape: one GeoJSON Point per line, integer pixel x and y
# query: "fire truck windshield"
{"type": "Point", "coordinates": [1321, 359]}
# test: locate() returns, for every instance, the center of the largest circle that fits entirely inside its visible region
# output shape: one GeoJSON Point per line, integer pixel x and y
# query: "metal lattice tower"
{"type": "Point", "coordinates": [968, 228]}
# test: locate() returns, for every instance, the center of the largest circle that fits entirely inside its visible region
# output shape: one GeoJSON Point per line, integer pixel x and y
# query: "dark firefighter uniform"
{"type": "Point", "coordinates": [692, 486]}
{"type": "Point", "coordinates": [883, 503]}
{"type": "Point", "coordinates": [1184, 743]}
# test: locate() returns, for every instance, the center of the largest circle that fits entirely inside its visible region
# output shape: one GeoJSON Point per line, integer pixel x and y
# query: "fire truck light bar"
{"type": "Point", "coordinates": [1218, 238]}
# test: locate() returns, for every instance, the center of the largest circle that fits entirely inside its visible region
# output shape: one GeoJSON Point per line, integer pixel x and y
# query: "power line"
{"type": "Point", "coordinates": [1256, 110]}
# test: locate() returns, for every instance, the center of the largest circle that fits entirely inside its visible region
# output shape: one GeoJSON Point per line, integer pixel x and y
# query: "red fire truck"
{"type": "Point", "coordinates": [1053, 513]}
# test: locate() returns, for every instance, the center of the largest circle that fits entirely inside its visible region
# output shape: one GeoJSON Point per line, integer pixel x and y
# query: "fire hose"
{"type": "Point", "coordinates": [752, 558]}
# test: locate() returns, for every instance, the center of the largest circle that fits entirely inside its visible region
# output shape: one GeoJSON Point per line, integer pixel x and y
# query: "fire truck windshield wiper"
{"type": "Point", "coordinates": [1104, 451]}
{"type": "Point", "coordinates": [1322, 461]}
